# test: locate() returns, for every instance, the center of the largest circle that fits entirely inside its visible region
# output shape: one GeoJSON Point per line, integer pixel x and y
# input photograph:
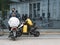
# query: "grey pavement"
{"type": "Point", "coordinates": [44, 34]}
{"type": "Point", "coordinates": [31, 41]}
{"type": "Point", "coordinates": [47, 37]}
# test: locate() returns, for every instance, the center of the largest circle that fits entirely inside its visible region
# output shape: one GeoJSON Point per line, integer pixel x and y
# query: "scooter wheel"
{"type": "Point", "coordinates": [19, 34]}
{"type": "Point", "coordinates": [36, 34]}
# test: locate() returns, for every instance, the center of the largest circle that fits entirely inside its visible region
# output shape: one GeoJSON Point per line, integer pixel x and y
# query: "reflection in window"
{"type": "Point", "coordinates": [30, 7]}
{"type": "Point", "coordinates": [43, 15]}
{"type": "Point", "coordinates": [38, 15]}
{"type": "Point", "coordinates": [34, 13]}
{"type": "Point", "coordinates": [38, 6]}
{"type": "Point", "coordinates": [30, 16]}
{"type": "Point", "coordinates": [34, 6]}
{"type": "Point", "coordinates": [30, 10]}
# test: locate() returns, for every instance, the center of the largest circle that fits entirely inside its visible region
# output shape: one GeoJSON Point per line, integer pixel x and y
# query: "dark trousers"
{"type": "Point", "coordinates": [9, 28]}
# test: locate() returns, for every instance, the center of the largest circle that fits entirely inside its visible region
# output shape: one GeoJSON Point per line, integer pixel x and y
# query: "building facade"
{"type": "Point", "coordinates": [37, 8]}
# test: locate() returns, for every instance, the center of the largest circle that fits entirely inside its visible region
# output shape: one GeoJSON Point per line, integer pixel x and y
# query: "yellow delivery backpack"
{"type": "Point", "coordinates": [25, 29]}
{"type": "Point", "coordinates": [29, 22]}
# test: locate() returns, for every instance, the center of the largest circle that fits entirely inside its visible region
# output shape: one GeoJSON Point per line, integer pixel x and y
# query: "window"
{"type": "Point", "coordinates": [34, 6]}
{"type": "Point", "coordinates": [34, 10]}
{"type": "Point", "coordinates": [34, 13]}
{"type": "Point", "coordinates": [30, 10]}
{"type": "Point", "coordinates": [38, 6]}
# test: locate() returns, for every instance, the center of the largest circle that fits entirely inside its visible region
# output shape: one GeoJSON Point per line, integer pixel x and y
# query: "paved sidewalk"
{"type": "Point", "coordinates": [47, 37]}
{"type": "Point", "coordinates": [31, 42]}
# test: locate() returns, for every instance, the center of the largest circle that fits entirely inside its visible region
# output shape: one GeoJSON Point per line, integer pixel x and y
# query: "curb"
{"type": "Point", "coordinates": [42, 31]}
{"type": "Point", "coordinates": [45, 33]}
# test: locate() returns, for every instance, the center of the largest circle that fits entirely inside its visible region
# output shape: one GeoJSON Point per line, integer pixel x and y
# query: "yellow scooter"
{"type": "Point", "coordinates": [28, 28]}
